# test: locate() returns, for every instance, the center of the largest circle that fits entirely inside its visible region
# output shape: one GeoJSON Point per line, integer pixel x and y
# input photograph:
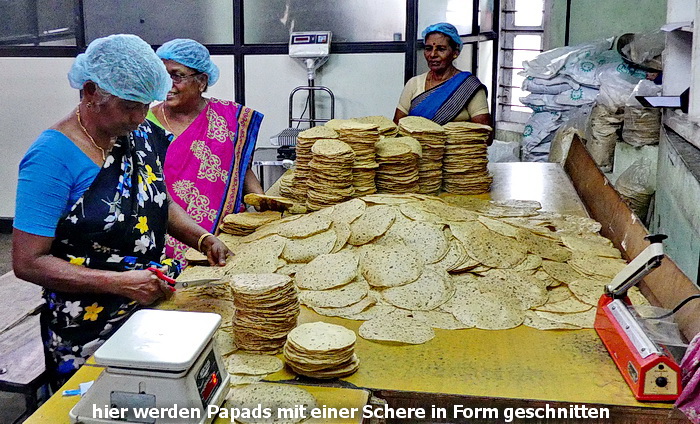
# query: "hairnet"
{"type": "Point", "coordinates": [123, 65]}
{"type": "Point", "coordinates": [192, 54]}
{"type": "Point", "coordinates": [447, 29]}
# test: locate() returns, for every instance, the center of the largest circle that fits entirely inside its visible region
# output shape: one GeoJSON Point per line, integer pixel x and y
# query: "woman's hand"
{"type": "Point", "coordinates": [142, 286]}
{"type": "Point", "coordinates": [183, 228]}
{"type": "Point", "coordinates": [215, 250]}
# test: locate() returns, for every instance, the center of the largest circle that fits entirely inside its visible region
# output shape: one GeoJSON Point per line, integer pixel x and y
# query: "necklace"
{"type": "Point", "coordinates": [449, 75]}
{"type": "Point", "coordinates": [190, 119]}
{"type": "Point", "coordinates": [77, 113]}
{"type": "Point", "coordinates": [167, 124]}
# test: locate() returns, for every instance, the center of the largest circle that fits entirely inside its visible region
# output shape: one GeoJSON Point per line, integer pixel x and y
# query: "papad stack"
{"type": "Point", "coordinates": [267, 307]}
{"type": "Point", "coordinates": [432, 140]}
{"type": "Point", "coordinates": [286, 184]}
{"type": "Point", "coordinates": [275, 398]}
{"type": "Point", "coordinates": [331, 177]}
{"type": "Point", "coordinates": [387, 127]}
{"type": "Point", "coordinates": [244, 223]}
{"type": "Point", "coordinates": [464, 163]}
{"type": "Point", "coordinates": [398, 165]}
{"type": "Point", "coordinates": [302, 169]}
{"type": "Point", "coordinates": [247, 368]}
{"type": "Point", "coordinates": [361, 138]}
{"type": "Point", "coordinates": [321, 350]}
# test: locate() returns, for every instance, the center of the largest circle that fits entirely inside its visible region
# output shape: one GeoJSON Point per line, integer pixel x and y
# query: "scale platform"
{"type": "Point", "coordinates": [157, 361]}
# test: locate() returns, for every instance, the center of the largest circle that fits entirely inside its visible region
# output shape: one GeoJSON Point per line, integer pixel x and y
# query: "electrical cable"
{"type": "Point", "coordinates": [306, 106]}
{"type": "Point", "coordinates": [677, 308]}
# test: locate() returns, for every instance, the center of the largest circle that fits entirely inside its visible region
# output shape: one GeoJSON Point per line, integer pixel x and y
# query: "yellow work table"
{"type": "Point", "coordinates": [55, 410]}
{"type": "Point", "coordinates": [520, 367]}
{"type": "Point", "coordinates": [506, 369]}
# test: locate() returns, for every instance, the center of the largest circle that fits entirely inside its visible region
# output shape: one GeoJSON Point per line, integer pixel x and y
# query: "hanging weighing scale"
{"type": "Point", "coordinates": [311, 49]}
{"type": "Point", "coordinates": [158, 361]}
{"type": "Point", "coordinates": [649, 368]}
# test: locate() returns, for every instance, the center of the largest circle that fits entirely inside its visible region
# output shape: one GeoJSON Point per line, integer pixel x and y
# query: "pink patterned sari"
{"type": "Point", "coordinates": [206, 164]}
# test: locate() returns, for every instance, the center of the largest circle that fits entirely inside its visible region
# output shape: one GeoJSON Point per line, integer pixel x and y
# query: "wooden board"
{"type": "Point", "coordinates": [22, 353]}
{"type": "Point", "coordinates": [18, 298]}
{"type": "Point", "coordinates": [666, 286]}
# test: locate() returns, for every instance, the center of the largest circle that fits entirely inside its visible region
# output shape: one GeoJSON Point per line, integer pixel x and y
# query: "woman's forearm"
{"type": "Point", "coordinates": [251, 183]}
{"type": "Point", "coordinates": [33, 262]}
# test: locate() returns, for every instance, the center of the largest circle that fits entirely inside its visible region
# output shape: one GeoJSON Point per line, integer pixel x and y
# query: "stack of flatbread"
{"type": "Point", "coordinates": [331, 177]}
{"type": "Point", "coordinates": [267, 307]}
{"type": "Point", "coordinates": [464, 164]}
{"type": "Point", "coordinates": [387, 128]}
{"type": "Point", "coordinates": [398, 165]}
{"type": "Point", "coordinates": [247, 368]}
{"type": "Point", "coordinates": [432, 140]}
{"type": "Point", "coordinates": [286, 184]}
{"type": "Point", "coordinates": [244, 223]}
{"type": "Point", "coordinates": [321, 350]}
{"type": "Point", "coordinates": [361, 138]}
{"type": "Point", "coordinates": [302, 170]}
{"type": "Point", "coordinates": [276, 400]}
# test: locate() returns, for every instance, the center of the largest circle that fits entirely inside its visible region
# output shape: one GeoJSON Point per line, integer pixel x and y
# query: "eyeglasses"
{"type": "Point", "coordinates": [178, 78]}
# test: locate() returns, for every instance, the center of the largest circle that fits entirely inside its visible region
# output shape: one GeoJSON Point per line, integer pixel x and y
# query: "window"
{"type": "Point", "coordinates": [37, 22]}
{"type": "Point", "coordinates": [522, 30]}
{"type": "Point", "coordinates": [272, 21]}
{"type": "Point", "coordinates": [457, 12]}
{"type": "Point", "coordinates": [158, 21]}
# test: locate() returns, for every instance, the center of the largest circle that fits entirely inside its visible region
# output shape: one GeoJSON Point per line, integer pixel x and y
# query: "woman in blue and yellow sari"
{"type": "Point", "coordinates": [92, 206]}
{"type": "Point", "coordinates": [444, 94]}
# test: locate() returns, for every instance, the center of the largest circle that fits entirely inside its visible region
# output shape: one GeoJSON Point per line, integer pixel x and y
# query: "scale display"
{"type": "Point", "coordinates": [310, 45]}
{"type": "Point", "coordinates": [208, 379]}
{"type": "Point", "coordinates": [310, 38]}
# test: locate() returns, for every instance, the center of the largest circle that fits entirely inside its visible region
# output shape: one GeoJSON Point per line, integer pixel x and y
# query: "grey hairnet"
{"type": "Point", "coordinates": [446, 29]}
{"type": "Point", "coordinates": [191, 54]}
{"type": "Point", "coordinates": [123, 65]}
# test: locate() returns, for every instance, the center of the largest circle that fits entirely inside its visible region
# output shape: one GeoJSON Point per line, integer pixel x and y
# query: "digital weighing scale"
{"type": "Point", "coordinates": [157, 359]}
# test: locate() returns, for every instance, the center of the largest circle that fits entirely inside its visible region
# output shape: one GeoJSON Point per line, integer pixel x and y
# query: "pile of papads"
{"type": "Point", "coordinates": [361, 137]}
{"type": "Point", "coordinates": [266, 311]}
{"type": "Point", "coordinates": [464, 165]}
{"type": "Point", "coordinates": [248, 401]}
{"type": "Point", "coordinates": [432, 138]}
{"type": "Point", "coordinates": [406, 264]}
{"type": "Point", "coordinates": [398, 165]}
{"type": "Point", "coordinates": [332, 179]}
{"type": "Point", "coordinates": [302, 172]}
{"type": "Point", "coordinates": [321, 350]}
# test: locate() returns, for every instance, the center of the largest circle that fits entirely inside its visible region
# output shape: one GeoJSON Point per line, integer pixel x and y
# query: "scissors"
{"type": "Point", "coordinates": [162, 276]}
{"type": "Point", "coordinates": [199, 282]}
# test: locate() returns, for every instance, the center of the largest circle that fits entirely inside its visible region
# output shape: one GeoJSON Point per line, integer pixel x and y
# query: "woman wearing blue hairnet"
{"type": "Point", "coordinates": [444, 93]}
{"type": "Point", "coordinates": [207, 165]}
{"type": "Point", "coordinates": [92, 209]}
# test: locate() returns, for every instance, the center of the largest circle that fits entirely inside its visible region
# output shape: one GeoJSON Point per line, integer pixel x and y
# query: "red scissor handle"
{"type": "Point", "coordinates": [162, 276]}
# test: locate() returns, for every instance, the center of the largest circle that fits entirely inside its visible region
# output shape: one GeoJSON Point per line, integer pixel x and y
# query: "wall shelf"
{"type": "Point", "coordinates": [682, 55]}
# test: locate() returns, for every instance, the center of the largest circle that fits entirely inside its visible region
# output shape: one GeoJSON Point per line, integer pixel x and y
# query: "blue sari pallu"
{"type": "Point", "coordinates": [444, 102]}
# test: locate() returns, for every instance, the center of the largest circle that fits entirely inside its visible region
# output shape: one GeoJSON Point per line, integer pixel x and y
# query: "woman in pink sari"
{"type": "Point", "coordinates": [207, 165]}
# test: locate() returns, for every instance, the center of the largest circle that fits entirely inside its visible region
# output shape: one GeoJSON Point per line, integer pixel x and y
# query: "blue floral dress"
{"type": "Point", "coordinates": [118, 224]}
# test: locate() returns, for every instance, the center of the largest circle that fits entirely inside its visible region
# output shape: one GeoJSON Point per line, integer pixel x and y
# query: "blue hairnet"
{"type": "Point", "coordinates": [123, 65]}
{"type": "Point", "coordinates": [191, 54]}
{"type": "Point", "coordinates": [447, 29]}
